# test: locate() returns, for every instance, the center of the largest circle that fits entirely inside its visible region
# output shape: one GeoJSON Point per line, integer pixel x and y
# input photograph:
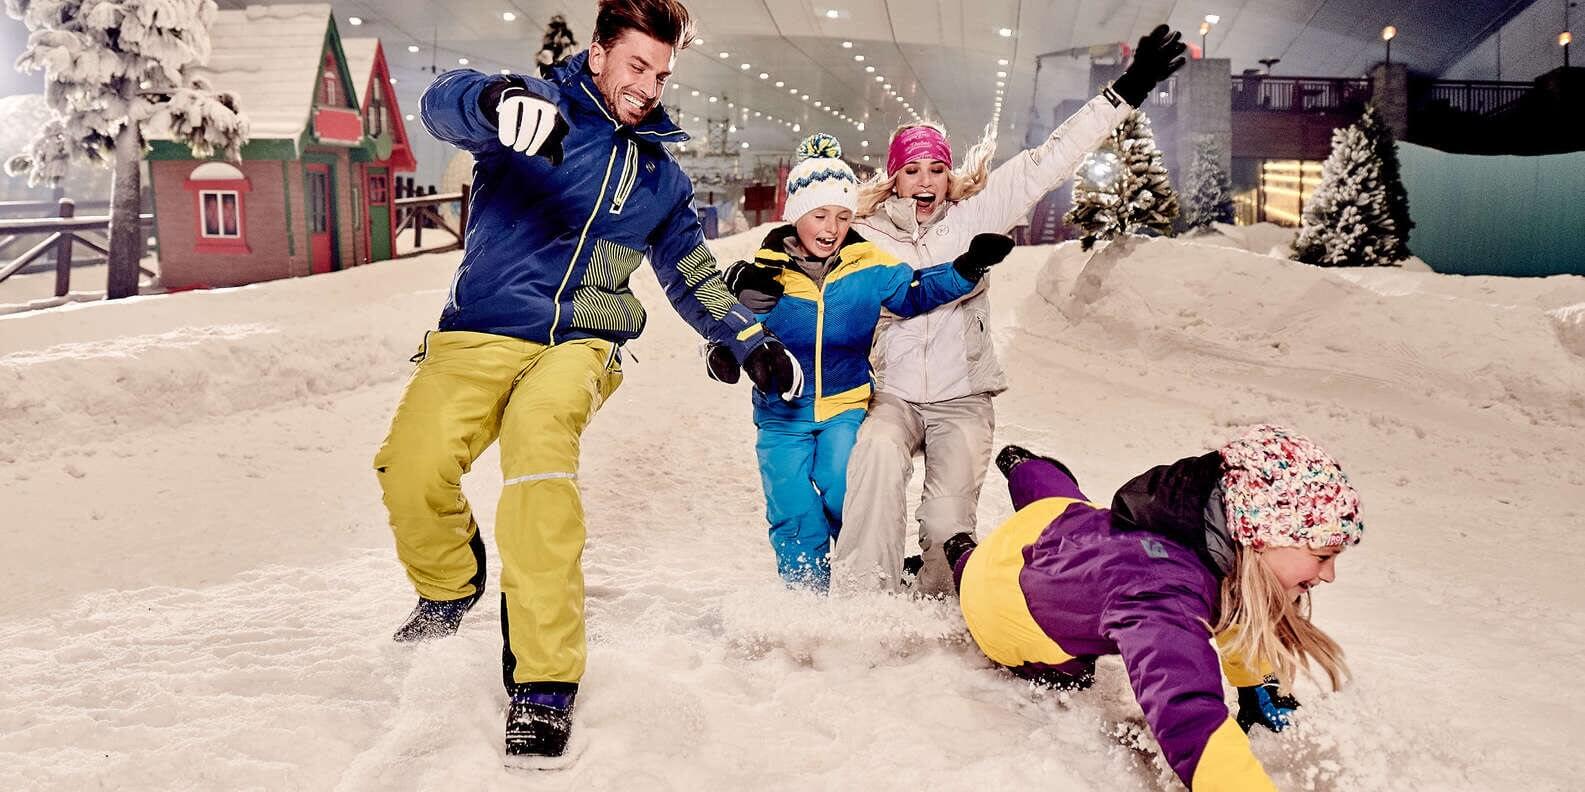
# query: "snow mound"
{"type": "Point", "coordinates": [1388, 330]}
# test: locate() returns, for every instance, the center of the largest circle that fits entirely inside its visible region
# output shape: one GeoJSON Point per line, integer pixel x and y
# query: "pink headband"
{"type": "Point", "coordinates": [917, 143]}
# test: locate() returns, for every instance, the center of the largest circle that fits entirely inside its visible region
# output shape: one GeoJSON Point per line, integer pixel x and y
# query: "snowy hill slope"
{"type": "Point", "coordinates": [202, 585]}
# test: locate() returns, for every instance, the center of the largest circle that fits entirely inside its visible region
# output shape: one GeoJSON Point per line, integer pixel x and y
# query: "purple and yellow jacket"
{"type": "Point", "coordinates": [1065, 580]}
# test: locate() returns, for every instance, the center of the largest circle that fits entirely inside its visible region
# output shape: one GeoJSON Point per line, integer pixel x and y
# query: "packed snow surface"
{"type": "Point", "coordinates": [202, 585]}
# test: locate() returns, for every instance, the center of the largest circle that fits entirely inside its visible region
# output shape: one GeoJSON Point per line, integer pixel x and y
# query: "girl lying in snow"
{"type": "Point", "coordinates": [820, 288]}
{"type": "Point", "coordinates": [1227, 544]}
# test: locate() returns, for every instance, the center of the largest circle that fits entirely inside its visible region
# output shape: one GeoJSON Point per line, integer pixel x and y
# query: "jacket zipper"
{"type": "Point", "coordinates": [624, 185]}
{"type": "Point", "coordinates": [582, 237]}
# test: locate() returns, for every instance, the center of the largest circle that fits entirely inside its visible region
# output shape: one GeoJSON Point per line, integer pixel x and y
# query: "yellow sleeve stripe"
{"type": "Point", "coordinates": [1227, 764]}
{"type": "Point", "coordinates": [750, 331]}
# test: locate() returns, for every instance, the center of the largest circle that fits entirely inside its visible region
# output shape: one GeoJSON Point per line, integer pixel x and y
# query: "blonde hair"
{"type": "Point", "coordinates": [1265, 630]}
{"type": "Point", "coordinates": [963, 181]}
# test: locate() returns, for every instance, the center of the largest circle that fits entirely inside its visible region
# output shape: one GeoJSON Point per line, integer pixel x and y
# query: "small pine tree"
{"type": "Point", "coordinates": [114, 69]}
{"type": "Point", "coordinates": [1359, 215]}
{"type": "Point", "coordinates": [1210, 194]}
{"type": "Point", "coordinates": [1123, 186]}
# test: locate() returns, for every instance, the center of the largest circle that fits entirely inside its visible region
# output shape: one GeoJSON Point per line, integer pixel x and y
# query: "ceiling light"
{"type": "Point", "coordinates": [866, 158]}
{"type": "Point", "coordinates": [804, 97]}
{"type": "Point", "coordinates": [393, 80]}
{"type": "Point", "coordinates": [732, 128]}
{"type": "Point", "coordinates": [713, 100]}
{"type": "Point", "coordinates": [1005, 32]}
{"type": "Point", "coordinates": [729, 104]}
{"type": "Point", "coordinates": [798, 127]}
{"type": "Point", "coordinates": [847, 45]}
{"type": "Point", "coordinates": [764, 76]}
{"type": "Point", "coordinates": [793, 91]}
{"type": "Point", "coordinates": [869, 69]}
{"type": "Point", "coordinates": [1001, 74]}
{"type": "Point", "coordinates": [744, 66]}
{"type": "Point", "coordinates": [509, 16]}
{"type": "Point", "coordinates": [864, 144]}
{"type": "Point", "coordinates": [879, 78]}
{"type": "Point", "coordinates": [780, 84]}
{"type": "Point", "coordinates": [887, 87]}
{"type": "Point", "coordinates": [412, 48]}
{"type": "Point", "coordinates": [696, 119]}
{"type": "Point", "coordinates": [695, 93]}
{"type": "Point", "coordinates": [725, 54]}
{"type": "Point", "coordinates": [354, 21]}
{"type": "Point", "coordinates": [506, 71]}
{"type": "Point", "coordinates": [859, 58]}
{"type": "Point", "coordinates": [999, 83]}
{"type": "Point", "coordinates": [409, 116]}
{"type": "Point", "coordinates": [861, 126]}
{"type": "Point", "coordinates": [832, 13]}
{"type": "Point", "coordinates": [462, 61]}
{"type": "Point", "coordinates": [1001, 61]}
{"type": "Point", "coordinates": [1212, 18]}
{"type": "Point", "coordinates": [745, 144]}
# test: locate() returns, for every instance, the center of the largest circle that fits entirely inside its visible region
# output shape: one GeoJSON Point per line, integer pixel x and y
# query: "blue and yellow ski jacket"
{"type": "Point", "coordinates": [550, 247]}
{"type": "Point", "coordinates": [829, 327]}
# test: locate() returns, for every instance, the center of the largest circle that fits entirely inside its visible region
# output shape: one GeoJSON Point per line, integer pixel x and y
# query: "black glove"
{"type": "Point", "coordinates": [985, 251]}
{"type": "Point", "coordinates": [1158, 56]}
{"type": "Point", "coordinates": [754, 285]}
{"type": "Point", "coordinates": [720, 364]}
{"type": "Point", "coordinates": [774, 370]}
{"type": "Point", "coordinates": [524, 133]}
{"type": "Point", "coordinates": [1262, 704]}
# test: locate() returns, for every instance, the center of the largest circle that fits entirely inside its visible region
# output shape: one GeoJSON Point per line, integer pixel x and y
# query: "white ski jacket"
{"type": "Point", "coordinates": [947, 353]}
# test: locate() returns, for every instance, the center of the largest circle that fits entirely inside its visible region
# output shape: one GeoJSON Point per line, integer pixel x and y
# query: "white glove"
{"type": "Point", "coordinates": [523, 121]}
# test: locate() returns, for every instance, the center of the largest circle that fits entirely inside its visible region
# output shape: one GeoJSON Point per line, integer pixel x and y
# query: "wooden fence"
{"type": "Point", "coordinates": [61, 235]}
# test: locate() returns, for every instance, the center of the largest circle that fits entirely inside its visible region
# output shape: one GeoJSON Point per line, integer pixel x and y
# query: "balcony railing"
{"type": "Point", "coordinates": [1481, 97]}
{"type": "Point", "coordinates": [1263, 93]}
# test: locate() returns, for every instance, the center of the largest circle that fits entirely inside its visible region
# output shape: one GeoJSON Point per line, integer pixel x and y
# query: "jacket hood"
{"type": "Point", "coordinates": [1181, 502]}
{"type": "Point", "coordinates": [578, 83]}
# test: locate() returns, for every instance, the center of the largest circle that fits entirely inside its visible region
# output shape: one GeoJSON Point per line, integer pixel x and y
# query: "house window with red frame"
{"type": "Point", "coordinates": [331, 95]}
{"type": "Point", "coordinates": [219, 192]}
{"type": "Point", "coordinates": [374, 119]}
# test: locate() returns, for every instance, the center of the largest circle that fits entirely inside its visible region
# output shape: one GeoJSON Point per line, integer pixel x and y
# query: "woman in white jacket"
{"type": "Point", "coordinates": [936, 373]}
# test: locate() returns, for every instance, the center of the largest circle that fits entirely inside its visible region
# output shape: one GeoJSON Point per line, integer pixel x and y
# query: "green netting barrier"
{"type": "Point", "coordinates": [1481, 215]}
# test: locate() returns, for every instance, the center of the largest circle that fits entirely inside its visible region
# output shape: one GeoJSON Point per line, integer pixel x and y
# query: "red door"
{"type": "Point", "coordinates": [321, 246]}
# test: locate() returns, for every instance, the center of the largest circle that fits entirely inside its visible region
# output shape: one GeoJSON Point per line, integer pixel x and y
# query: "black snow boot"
{"type": "Point", "coordinates": [539, 720]}
{"type": "Point", "coordinates": [433, 619]}
{"type": "Point", "coordinates": [1011, 455]}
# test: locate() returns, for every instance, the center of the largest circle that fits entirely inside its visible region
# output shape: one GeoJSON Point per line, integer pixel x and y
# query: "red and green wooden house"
{"type": "Point", "coordinates": [299, 202]}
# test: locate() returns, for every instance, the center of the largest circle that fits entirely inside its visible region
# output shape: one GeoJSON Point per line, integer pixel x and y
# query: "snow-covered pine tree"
{"type": "Point", "coordinates": [113, 70]}
{"type": "Point", "coordinates": [1210, 194]}
{"type": "Point", "coordinates": [1359, 215]}
{"type": "Point", "coordinates": [1123, 186]}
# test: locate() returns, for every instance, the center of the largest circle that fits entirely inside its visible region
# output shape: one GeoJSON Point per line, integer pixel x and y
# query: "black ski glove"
{"type": "Point", "coordinates": [754, 285]}
{"type": "Point", "coordinates": [774, 370]}
{"type": "Point", "coordinates": [985, 251]}
{"type": "Point", "coordinates": [720, 364]}
{"type": "Point", "coordinates": [1158, 56]}
{"type": "Point", "coordinates": [506, 87]}
{"type": "Point", "coordinates": [1261, 704]}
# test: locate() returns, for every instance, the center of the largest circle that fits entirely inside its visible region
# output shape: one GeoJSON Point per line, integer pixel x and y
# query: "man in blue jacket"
{"type": "Point", "coordinates": [572, 190]}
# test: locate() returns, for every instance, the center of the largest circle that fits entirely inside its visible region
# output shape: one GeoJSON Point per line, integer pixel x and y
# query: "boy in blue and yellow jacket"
{"type": "Point", "coordinates": [831, 286]}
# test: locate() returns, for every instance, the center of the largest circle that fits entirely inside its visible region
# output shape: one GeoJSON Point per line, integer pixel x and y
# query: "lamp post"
{"type": "Point", "coordinates": [1389, 33]}
{"type": "Point", "coordinates": [1564, 39]}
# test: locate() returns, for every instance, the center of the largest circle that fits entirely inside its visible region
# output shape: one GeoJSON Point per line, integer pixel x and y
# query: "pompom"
{"type": "Point", "coordinates": [819, 145]}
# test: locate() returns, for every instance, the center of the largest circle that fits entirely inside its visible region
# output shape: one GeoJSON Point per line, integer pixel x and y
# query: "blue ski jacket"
{"type": "Point", "coordinates": [550, 246]}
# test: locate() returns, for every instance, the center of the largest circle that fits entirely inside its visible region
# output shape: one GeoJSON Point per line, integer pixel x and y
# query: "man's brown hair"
{"type": "Point", "coordinates": [666, 21]}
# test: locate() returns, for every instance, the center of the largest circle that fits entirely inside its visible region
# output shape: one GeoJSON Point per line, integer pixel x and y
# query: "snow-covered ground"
{"type": "Point", "coordinates": [201, 586]}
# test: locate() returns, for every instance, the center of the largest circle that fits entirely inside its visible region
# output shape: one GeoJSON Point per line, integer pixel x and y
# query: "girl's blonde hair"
{"type": "Point", "coordinates": [962, 181]}
{"type": "Point", "coordinates": [1266, 631]}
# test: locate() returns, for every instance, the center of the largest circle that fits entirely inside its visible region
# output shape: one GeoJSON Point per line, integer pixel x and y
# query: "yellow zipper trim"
{"type": "Point", "coordinates": [582, 236]}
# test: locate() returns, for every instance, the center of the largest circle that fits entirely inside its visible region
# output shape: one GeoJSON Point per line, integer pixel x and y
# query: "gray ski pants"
{"type": "Point", "coordinates": [956, 438]}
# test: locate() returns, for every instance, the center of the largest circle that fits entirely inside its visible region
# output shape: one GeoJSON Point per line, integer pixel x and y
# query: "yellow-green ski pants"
{"type": "Point", "coordinates": [468, 390]}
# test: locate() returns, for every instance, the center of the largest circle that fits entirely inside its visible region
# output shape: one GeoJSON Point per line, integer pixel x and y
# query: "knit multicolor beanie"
{"type": "Point", "coordinates": [820, 178]}
{"type": "Point", "coordinates": [1281, 490]}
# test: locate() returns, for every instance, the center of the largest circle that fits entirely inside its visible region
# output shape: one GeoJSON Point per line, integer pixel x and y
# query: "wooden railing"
{"type": "Point", "coordinates": [1263, 93]}
{"type": "Point", "coordinates": [61, 234]}
{"type": "Point", "coordinates": [1481, 97]}
{"type": "Point", "coordinates": [423, 211]}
